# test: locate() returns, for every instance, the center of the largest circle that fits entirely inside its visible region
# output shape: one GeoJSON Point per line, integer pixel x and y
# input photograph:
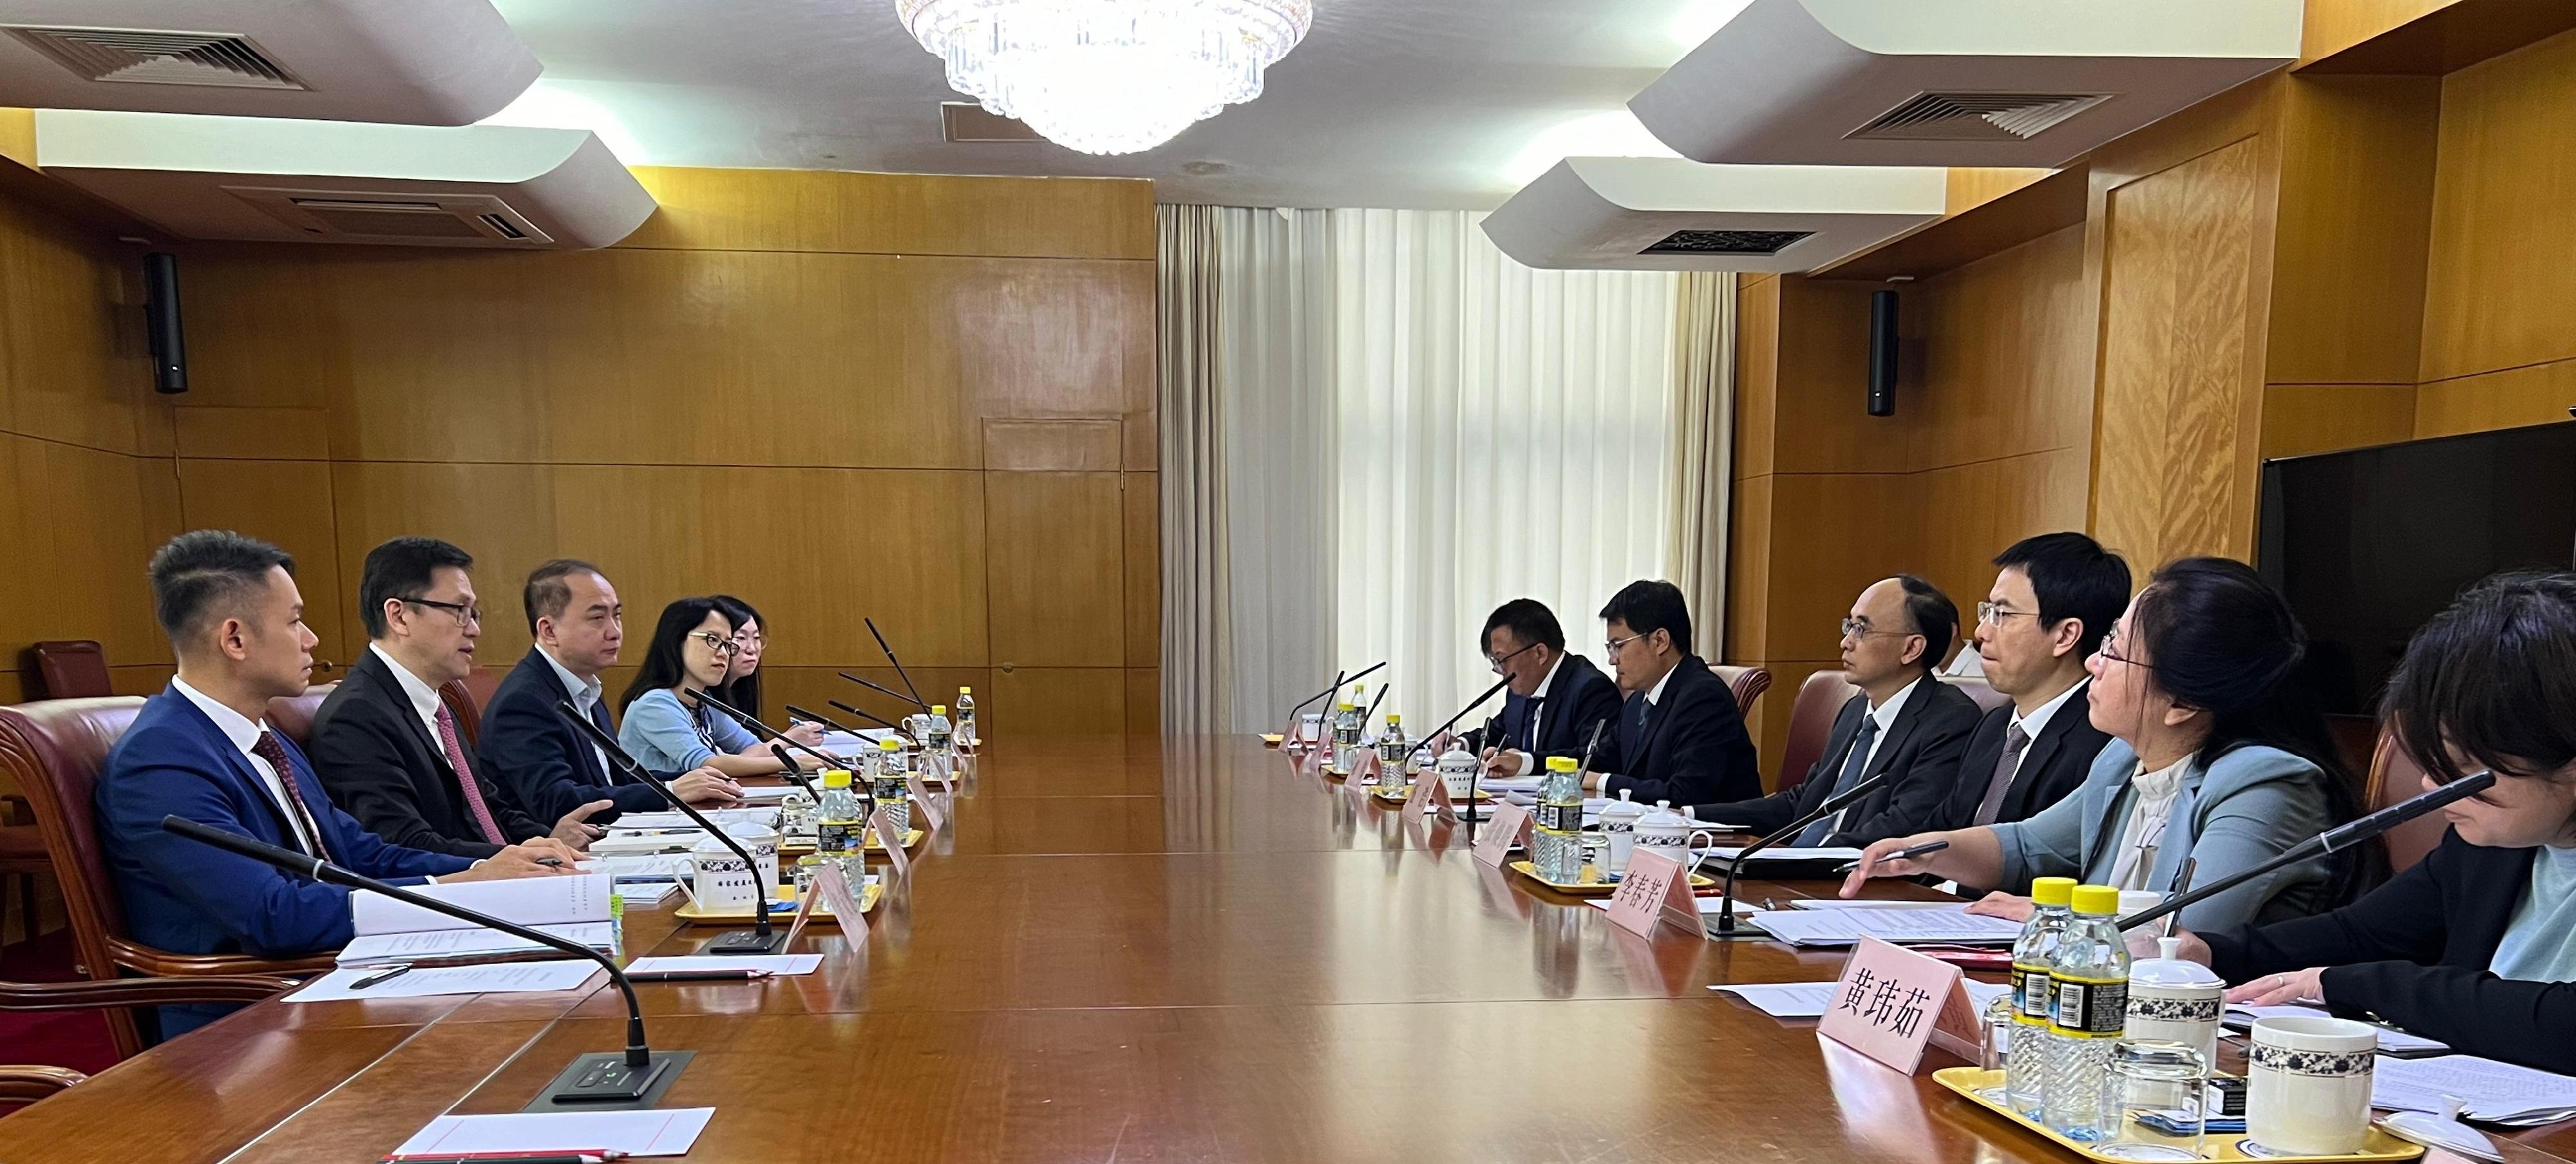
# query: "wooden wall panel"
{"type": "Point", "coordinates": [1144, 702]}
{"type": "Point", "coordinates": [2499, 285]}
{"type": "Point", "coordinates": [1997, 355]}
{"type": "Point", "coordinates": [812, 210]}
{"type": "Point", "coordinates": [79, 525]}
{"type": "Point", "coordinates": [2299, 419]}
{"type": "Point", "coordinates": [1059, 703]}
{"type": "Point", "coordinates": [287, 503]}
{"type": "Point", "coordinates": [2357, 179]}
{"type": "Point", "coordinates": [1056, 568]}
{"type": "Point", "coordinates": [1832, 535]}
{"type": "Point", "coordinates": [1140, 498]}
{"type": "Point", "coordinates": [1748, 571]}
{"type": "Point", "coordinates": [2541, 394]}
{"type": "Point", "coordinates": [1757, 373]}
{"type": "Point", "coordinates": [72, 364]}
{"type": "Point", "coordinates": [1820, 410]}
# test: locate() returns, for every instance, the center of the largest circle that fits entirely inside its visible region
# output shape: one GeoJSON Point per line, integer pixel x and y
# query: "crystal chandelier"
{"type": "Point", "coordinates": [1107, 76]}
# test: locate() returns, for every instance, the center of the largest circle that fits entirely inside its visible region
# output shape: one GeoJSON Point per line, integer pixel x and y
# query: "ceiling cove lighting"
{"type": "Point", "coordinates": [1108, 76]}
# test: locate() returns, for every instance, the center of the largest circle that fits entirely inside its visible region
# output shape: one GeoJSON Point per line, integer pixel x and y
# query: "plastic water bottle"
{"type": "Point", "coordinates": [1556, 831]}
{"type": "Point", "coordinates": [839, 821]}
{"type": "Point", "coordinates": [2088, 979]}
{"type": "Point", "coordinates": [886, 783]}
{"type": "Point", "coordinates": [2026, 1060]}
{"type": "Point", "coordinates": [966, 717]}
{"type": "Point", "coordinates": [1392, 752]}
{"type": "Point", "coordinates": [940, 738]}
{"type": "Point", "coordinates": [1346, 730]}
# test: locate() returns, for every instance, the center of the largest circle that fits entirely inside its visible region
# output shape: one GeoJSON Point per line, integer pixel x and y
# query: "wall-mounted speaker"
{"type": "Point", "coordinates": [161, 322]}
{"type": "Point", "coordinates": [1882, 353]}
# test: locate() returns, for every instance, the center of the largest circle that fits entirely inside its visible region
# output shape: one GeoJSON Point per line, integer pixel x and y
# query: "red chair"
{"type": "Point", "coordinates": [71, 669]}
{"type": "Point", "coordinates": [479, 685]}
{"type": "Point", "coordinates": [1748, 684]}
{"type": "Point", "coordinates": [1811, 721]}
{"type": "Point", "coordinates": [461, 706]}
{"type": "Point", "coordinates": [29, 1083]}
{"type": "Point", "coordinates": [2394, 776]}
{"type": "Point", "coordinates": [294, 714]}
{"type": "Point", "coordinates": [1984, 693]}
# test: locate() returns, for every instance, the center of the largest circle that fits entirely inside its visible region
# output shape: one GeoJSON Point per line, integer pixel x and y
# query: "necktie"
{"type": "Point", "coordinates": [1529, 724]}
{"type": "Point", "coordinates": [1853, 762]}
{"type": "Point", "coordinates": [599, 717]}
{"type": "Point", "coordinates": [1632, 731]}
{"type": "Point", "coordinates": [2010, 762]}
{"type": "Point", "coordinates": [267, 748]}
{"type": "Point", "coordinates": [465, 778]}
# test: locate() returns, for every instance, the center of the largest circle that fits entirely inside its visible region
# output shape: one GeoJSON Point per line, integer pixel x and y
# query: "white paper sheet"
{"type": "Point", "coordinates": [2391, 1041]}
{"type": "Point", "coordinates": [782, 965]}
{"type": "Point", "coordinates": [1864, 903]}
{"type": "Point", "coordinates": [657, 1132]}
{"type": "Point", "coordinates": [1786, 853]}
{"type": "Point", "coordinates": [529, 901]}
{"type": "Point", "coordinates": [1810, 999]}
{"type": "Point", "coordinates": [427, 945]}
{"type": "Point", "coordinates": [2496, 1092]}
{"type": "Point", "coordinates": [675, 819]}
{"type": "Point", "coordinates": [1843, 927]}
{"type": "Point", "coordinates": [757, 794]}
{"type": "Point", "coordinates": [499, 978]}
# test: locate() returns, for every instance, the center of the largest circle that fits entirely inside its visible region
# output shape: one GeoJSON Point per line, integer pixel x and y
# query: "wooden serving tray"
{"type": "Point", "coordinates": [1592, 885]}
{"type": "Point", "coordinates": [689, 912]}
{"type": "Point", "coordinates": [1974, 1082]}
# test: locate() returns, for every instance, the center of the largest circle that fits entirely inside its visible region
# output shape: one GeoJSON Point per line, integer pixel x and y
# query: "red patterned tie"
{"type": "Point", "coordinates": [267, 748]}
{"type": "Point", "coordinates": [465, 778]}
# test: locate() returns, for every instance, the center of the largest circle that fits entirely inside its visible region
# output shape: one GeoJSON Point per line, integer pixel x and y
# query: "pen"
{"type": "Point", "coordinates": [1923, 850]}
{"type": "Point", "coordinates": [741, 975]}
{"type": "Point", "coordinates": [575, 1156]}
{"type": "Point", "coordinates": [373, 979]}
{"type": "Point", "coordinates": [555, 862]}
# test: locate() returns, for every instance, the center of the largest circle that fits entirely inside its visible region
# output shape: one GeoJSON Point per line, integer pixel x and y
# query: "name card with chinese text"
{"type": "Point", "coordinates": [1510, 826]}
{"type": "Point", "coordinates": [1655, 889]}
{"type": "Point", "coordinates": [834, 890]}
{"type": "Point", "coordinates": [1890, 1003]}
{"type": "Point", "coordinates": [893, 842]}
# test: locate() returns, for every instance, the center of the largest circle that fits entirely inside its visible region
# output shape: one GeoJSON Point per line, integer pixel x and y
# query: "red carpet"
{"type": "Point", "coordinates": [76, 1039]}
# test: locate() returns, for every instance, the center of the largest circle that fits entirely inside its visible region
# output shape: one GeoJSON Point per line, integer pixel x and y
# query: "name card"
{"type": "Point", "coordinates": [833, 890]}
{"type": "Point", "coordinates": [945, 768]}
{"type": "Point", "coordinates": [1510, 826]}
{"type": "Point", "coordinates": [1654, 890]}
{"type": "Point", "coordinates": [1890, 1003]}
{"type": "Point", "coordinates": [921, 796]}
{"type": "Point", "coordinates": [893, 842]}
{"type": "Point", "coordinates": [804, 913]}
{"type": "Point", "coordinates": [1429, 794]}
{"type": "Point", "coordinates": [1365, 770]}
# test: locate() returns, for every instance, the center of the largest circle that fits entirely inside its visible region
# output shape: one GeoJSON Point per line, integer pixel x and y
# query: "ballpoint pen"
{"type": "Point", "coordinates": [1925, 849]}
{"type": "Point", "coordinates": [375, 979]}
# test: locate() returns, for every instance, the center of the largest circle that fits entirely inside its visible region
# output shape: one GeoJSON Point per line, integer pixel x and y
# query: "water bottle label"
{"type": "Point", "coordinates": [1561, 818]}
{"type": "Point", "coordinates": [2030, 994]}
{"type": "Point", "coordinates": [836, 836]}
{"type": "Point", "coordinates": [2088, 1009]}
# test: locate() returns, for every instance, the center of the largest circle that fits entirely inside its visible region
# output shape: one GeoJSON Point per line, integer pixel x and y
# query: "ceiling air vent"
{"type": "Point", "coordinates": [345, 216]}
{"type": "Point", "coordinates": [1976, 116]}
{"type": "Point", "coordinates": [1726, 242]}
{"type": "Point", "coordinates": [139, 57]}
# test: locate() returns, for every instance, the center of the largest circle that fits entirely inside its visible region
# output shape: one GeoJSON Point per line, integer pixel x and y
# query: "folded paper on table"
{"type": "Point", "coordinates": [756, 794]}
{"type": "Point", "coordinates": [1843, 927]}
{"type": "Point", "coordinates": [457, 945]}
{"type": "Point", "coordinates": [657, 1132]}
{"type": "Point", "coordinates": [529, 901]}
{"type": "Point", "coordinates": [1891, 1003]}
{"type": "Point", "coordinates": [2498, 1093]}
{"type": "Point", "coordinates": [780, 965]}
{"type": "Point", "coordinates": [497, 978]}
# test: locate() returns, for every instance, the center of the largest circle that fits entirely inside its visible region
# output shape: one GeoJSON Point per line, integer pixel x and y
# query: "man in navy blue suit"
{"type": "Point", "coordinates": [202, 750]}
{"type": "Point", "coordinates": [1554, 700]}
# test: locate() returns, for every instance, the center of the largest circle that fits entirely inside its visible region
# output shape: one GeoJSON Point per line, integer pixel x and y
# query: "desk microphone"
{"type": "Point", "coordinates": [1371, 713]}
{"type": "Point", "coordinates": [761, 939]}
{"type": "Point", "coordinates": [871, 717]}
{"type": "Point", "coordinates": [1338, 679]}
{"type": "Point", "coordinates": [898, 665]}
{"type": "Point", "coordinates": [2333, 840]}
{"type": "Point", "coordinates": [1833, 804]}
{"type": "Point", "coordinates": [1472, 705]}
{"type": "Point", "coordinates": [768, 734]}
{"type": "Point", "coordinates": [597, 1077]}
{"type": "Point", "coordinates": [836, 725]}
{"type": "Point", "coordinates": [887, 691]}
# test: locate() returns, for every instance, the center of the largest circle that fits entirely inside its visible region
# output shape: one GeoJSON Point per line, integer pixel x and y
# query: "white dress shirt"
{"type": "Point", "coordinates": [244, 735]}
{"type": "Point", "coordinates": [585, 694]}
{"type": "Point", "coordinates": [424, 698]}
{"type": "Point", "coordinates": [1885, 714]}
{"type": "Point", "coordinates": [2037, 721]}
{"type": "Point", "coordinates": [2151, 805]}
{"type": "Point", "coordinates": [1529, 763]}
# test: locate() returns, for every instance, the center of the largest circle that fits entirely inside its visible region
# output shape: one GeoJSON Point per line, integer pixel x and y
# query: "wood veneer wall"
{"type": "Point", "coordinates": [923, 399]}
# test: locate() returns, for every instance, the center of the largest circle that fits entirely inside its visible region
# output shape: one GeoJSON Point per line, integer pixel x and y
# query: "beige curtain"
{"type": "Point", "coordinates": [1197, 637]}
{"type": "Point", "coordinates": [1703, 447]}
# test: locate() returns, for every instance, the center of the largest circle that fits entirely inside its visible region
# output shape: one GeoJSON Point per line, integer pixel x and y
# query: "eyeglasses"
{"type": "Point", "coordinates": [1994, 613]}
{"type": "Point", "coordinates": [1858, 628]}
{"type": "Point", "coordinates": [465, 614]}
{"type": "Point", "coordinates": [2111, 654]}
{"type": "Point", "coordinates": [720, 644]}
{"type": "Point", "coordinates": [1610, 649]}
{"type": "Point", "coordinates": [1499, 660]}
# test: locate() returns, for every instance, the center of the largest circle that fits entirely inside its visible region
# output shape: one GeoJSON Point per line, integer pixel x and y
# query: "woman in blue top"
{"type": "Point", "coordinates": [692, 647]}
{"type": "Point", "coordinates": [2218, 756]}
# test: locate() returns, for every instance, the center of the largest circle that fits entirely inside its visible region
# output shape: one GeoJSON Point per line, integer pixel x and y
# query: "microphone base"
{"type": "Point", "coordinates": [601, 1081]}
{"type": "Point", "coordinates": [746, 942]}
{"type": "Point", "coordinates": [1743, 931]}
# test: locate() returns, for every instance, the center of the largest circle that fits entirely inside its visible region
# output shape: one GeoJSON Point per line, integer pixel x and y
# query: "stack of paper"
{"type": "Point", "coordinates": [494, 978]}
{"type": "Point", "coordinates": [655, 1132]}
{"type": "Point", "coordinates": [2497, 1093]}
{"type": "Point", "coordinates": [1844, 927]}
{"type": "Point", "coordinates": [1810, 999]}
{"type": "Point", "coordinates": [2391, 1040]}
{"type": "Point", "coordinates": [676, 819]}
{"type": "Point", "coordinates": [391, 931]}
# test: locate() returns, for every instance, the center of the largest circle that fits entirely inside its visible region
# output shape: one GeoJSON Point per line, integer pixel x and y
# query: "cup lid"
{"type": "Point", "coordinates": [1663, 814]}
{"type": "Point", "coordinates": [1623, 807]}
{"type": "Point", "coordinates": [2169, 969]}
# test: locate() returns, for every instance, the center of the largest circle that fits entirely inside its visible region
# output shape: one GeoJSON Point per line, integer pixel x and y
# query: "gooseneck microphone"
{"type": "Point", "coordinates": [2333, 840]}
{"type": "Point", "coordinates": [898, 664]}
{"type": "Point", "coordinates": [836, 725]}
{"type": "Point", "coordinates": [768, 734]}
{"type": "Point", "coordinates": [1472, 705]}
{"type": "Point", "coordinates": [885, 691]}
{"type": "Point", "coordinates": [871, 717]}
{"type": "Point", "coordinates": [608, 1077]}
{"type": "Point", "coordinates": [1339, 679]}
{"type": "Point", "coordinates": [760, 939]}
{"type": "Point", "coordinates": [1725, 927]}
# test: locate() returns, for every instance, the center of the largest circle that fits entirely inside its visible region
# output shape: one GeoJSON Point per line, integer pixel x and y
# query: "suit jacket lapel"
{"type": "Point", "coordinates": [2034, 761]}
{"type": "Point", "coordinates": [391, 695]}
{"type": "Point", "coordinates": [249, 778]}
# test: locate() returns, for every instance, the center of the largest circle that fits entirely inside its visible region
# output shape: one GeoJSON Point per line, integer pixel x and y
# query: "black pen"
{"type": "Point", "coordinates": [374, 979]}
{"type": "Point", "coordinates": [1922, 850]}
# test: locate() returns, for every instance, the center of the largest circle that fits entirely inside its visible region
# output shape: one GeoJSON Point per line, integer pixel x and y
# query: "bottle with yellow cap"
{"type": "Point", "coordinates": [936, 741]}
{"type": "Point", "coordinates": [1392, 752]}
{"type": "Point", "coordinates": [2088, 978]}
{"type": "Point", "coordinates": [2026, 1060]}
{"type": "Point", "coordinates": [839, 820]}
{"type": "Point", "coordinates": [966, 717]}
{"type": "Point", "coordinates": [1346, 730]}
{"type": "Point", "coordinates": [885, 779]}
{"type": "Point", "coordinates": [1556, 829]}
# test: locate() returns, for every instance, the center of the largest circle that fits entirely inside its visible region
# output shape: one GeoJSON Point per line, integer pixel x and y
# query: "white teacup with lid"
{"type": "Point", "coordinates": [1619, 824]}
{"type": "Point", "coordinates": [1458, 771]}
{"type": "Point", "coordinates": [1672, 834]}
{"type": "Point", "coordinates": [2176, 1001]}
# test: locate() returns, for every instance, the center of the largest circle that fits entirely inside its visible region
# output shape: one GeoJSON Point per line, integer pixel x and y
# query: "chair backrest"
{"type": "Point", "coordinates": [2394, 776]}
{"type": "Point", "coordinates": [1748, 684]}
{"type": "Point", "coordinates": [72, 669]}
{"type": "Point", "coordinates": [1978, 689]}
{"type": "Point", "coordinates": [54, 750]}
{"type": "Point", "coordinates": [293, 714]}
{"type": "Point", "coordinates": [462, 708]}
{"type": "Point", "coordinates": [480, 683]}
{"type": "Point", "coordinates": [1811, 719]}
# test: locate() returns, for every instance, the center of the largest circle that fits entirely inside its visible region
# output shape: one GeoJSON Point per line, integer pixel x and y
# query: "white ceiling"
{"type": "Point", "coordinates": [1450, 104]}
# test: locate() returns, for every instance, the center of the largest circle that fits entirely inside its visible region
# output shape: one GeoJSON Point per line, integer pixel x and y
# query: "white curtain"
{"type": "Point", "coordinates": [1412, 429]}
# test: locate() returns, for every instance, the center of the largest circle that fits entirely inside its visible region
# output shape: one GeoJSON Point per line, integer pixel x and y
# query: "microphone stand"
{"type": "Point", "coordinates": [898, 665]}
{"type": "Point", "coordinates": [1290, 740]}
{"type": "Point", "coordinates": [1339, 678]}
{"type": "Point", "coordinates": [1473, 780]}
{"type": "Point", "coordinates": [598, 1077]}
{"type": "Point", "coordinates": [1472, 705]}
{"type": "Point", "coordinates": [886, 691]}
{"type": "Point", "coordinates": [769, 735]}
{"type": "Point", "coordinates": [1725, 927]}
{"type": "Point", "coordinates": [761, 939]}
{"type": "Point", "coordinates": [2333, 840]}
{"type": "Point", "coordinates": [879, 720]}
{"type": "Point", "coordinates": [1371, 713]}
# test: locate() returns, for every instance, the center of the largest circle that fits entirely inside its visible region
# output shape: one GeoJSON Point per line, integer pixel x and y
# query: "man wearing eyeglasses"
{"type": "Point", "coordinates": [388, 750]}
{"type": "Point", "coordinates": [2054, 597]}
{"type": "Point", "coordinates": [1679, 737]}
{"type": "Point", "coordinates": [1552, 700]}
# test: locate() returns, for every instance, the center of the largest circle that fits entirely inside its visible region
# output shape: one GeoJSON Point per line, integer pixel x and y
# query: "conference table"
{"type": "Point", "coordinates": [1187, 949]}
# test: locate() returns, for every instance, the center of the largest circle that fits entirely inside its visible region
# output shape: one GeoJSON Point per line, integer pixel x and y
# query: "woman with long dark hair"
{"type": "Point", "coordinates": [2475, 945]}
{"type": "Point", "coordinates": [741, 687]}
{"type": "Point", "coordinates": [692, 648]}
{"type": "Point", "coordinates": [2217, 756]}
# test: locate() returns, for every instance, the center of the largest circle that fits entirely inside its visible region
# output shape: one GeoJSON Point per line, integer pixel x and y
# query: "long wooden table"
{"type": "Point", "coordinates": [1184, 951]}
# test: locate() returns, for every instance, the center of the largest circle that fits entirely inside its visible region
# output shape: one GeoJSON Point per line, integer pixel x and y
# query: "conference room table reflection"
{"type": "Point", "coordinates": [1183, 950]}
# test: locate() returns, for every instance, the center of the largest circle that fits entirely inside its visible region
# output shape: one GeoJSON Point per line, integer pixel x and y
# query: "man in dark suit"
{"type": "Point", "coordinates": [1905, 721]}
{"type": "Point", "coordinates": [2054, 597]}
{"type": "Point", "coordinates": [1553, 699]}
{"type": "Point", "coordinates": [547, 765]}
{"type": "Point", "coordinates": [202, 750]}
{"type": "Point", "coordinates": [1679, 737]}
{"type": "Point", "coordinates": [387, 749]}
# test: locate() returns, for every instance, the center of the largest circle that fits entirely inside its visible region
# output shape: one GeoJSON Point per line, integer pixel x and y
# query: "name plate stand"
{"type": "Point", "coordinates": [893, 842]}
{"type": "Point", "coordinates": [834, 890]}
{"type": "Point", "coordinates": [1430, 794]}
{"type": "Point", "coordinates": [1890, 1003]}
{"type": "Point", "coordinates": [1510, 826]}
{"type": "Point", "coordinates": [921, 797]}
{"type": "Point", "coordinates": [804, 913]}
{"type": "Point", "coordinates": [1655, 890]}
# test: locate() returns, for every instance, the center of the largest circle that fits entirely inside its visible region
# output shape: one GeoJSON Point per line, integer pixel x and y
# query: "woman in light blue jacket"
{"type": "Point", "coordinates": [691, 650]}
{"type": "Point", "coordinates": [2218, 756]}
